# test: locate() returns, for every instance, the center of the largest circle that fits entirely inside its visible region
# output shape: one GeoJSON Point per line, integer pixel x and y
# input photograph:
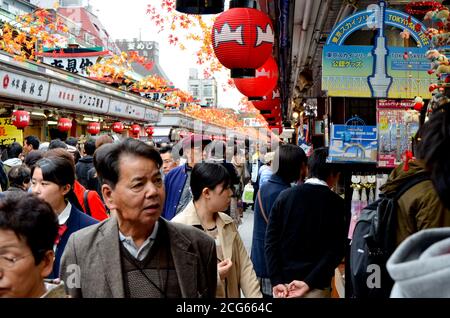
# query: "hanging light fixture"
{"type": "Point", "coordinates": [200, 6]}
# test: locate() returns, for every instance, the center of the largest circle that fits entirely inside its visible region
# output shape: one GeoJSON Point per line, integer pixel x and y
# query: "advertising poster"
{"type": "Point", "coordinates": [9, 133]}
{"type": "Point", "coordinates": [397, 125]}
{"type": "Point", "coordinates": [353, 144]}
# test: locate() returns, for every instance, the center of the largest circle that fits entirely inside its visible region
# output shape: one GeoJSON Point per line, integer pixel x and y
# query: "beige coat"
{"type": "Point", "coordinates": [242, 275]}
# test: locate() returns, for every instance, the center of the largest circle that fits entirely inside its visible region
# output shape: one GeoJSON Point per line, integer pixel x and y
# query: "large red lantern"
{"type": "Point", "coordinates": [20, 118]}
{"type": "Point", "coordinates": [242, 40]}
{"type": "Point", "coordinates": [93, 128]}
{"type": "Point", "coordinates": [149, 131]}
{"type": "Point", "coordinates": [262, 84]}
{"type": "Point", "coordinates": [64, 124]}
{"type": "Point", "coordinates": [135, 129]}
{"type": "Point", "coordinates": [117, 127]}
{"type": "Point", "coordinates": [269, 102]}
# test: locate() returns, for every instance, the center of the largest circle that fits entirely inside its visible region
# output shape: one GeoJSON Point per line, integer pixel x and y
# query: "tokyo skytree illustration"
{"type": "Point", "coordinates": [380, 81]}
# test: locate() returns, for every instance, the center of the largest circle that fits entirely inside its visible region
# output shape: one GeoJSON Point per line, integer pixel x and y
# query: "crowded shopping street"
{"type": "Point", "coordinates": [247, 154]}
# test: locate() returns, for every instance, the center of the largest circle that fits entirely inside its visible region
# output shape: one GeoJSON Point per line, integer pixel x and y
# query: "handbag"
{"type": "Point", "coordinates": [247, 195]}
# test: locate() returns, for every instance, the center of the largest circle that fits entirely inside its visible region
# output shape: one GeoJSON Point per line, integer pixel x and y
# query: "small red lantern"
{"type": "Point", "coordinates": [117, 127]}
{"type": "Point", "coordinates": [262, 84]}
{"type": "Point", "coordinates": [149, 131]}
{"type": "Point", "coordinates": [20, 118]}
{"type": "Point", "coordinates": [64, 124]}
{"type": "Point", "coordinates": [93, 128]}
{"type": "Point", "coordinates": [135, 129]}
{"type": "Point", "coordinates": [242, 40]}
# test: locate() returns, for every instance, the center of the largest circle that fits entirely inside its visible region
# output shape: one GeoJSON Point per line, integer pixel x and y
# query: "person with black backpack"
{"type": "Point", "coordinates": [408, 203]}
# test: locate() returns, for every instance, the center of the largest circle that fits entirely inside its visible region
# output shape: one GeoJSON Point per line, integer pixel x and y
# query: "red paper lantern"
{"type": "Point", "coordinates": [135, 129]}
{"type": "Point", "coordinates": [117, 127]}
{"type": "Point", "coordinates": [64, 124]}
{"type": "Point", "coordinates": [262, 84]}
{"type": "Point", "coordinates": [93, 128]}
{"type": "Point", "coordinates": [20, 118]}
{"type": "Point", "coordinates": [242, 40]}
{"type": "Point", "coordinates": [269, 102]}
{"type": "Point", "coordinates": [149, 131]}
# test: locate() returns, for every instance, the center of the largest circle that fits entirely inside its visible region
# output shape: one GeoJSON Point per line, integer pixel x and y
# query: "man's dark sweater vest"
{"type": "Point", "coordinates": [155, 275]}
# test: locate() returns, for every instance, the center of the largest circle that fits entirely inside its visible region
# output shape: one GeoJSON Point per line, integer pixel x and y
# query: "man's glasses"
{"type": "Point", "coordinates": [8, 262]}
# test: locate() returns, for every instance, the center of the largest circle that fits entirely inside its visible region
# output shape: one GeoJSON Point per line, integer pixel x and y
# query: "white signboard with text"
{"type": "Point", "coordinates": [78, 99]}
{"type": "Point", "coordinates": [23, 87]}
{"type": "Point", "coordinates": [126, 110]}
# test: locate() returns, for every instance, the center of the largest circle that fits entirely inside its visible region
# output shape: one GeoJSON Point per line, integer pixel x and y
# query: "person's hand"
{"type": "Point", "coordinates": [280, 291]}
{"type": "Point", "coordinates": [297, 289]}
{"type": "Point", "coordinates": [224, 268]}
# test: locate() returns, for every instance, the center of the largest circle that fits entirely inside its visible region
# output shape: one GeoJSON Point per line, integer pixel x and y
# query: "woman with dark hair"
{"type": "Point", "coordinates": [288, 166]}
{"type": "Point", "coordinates": [53, 181]}
{"type": "Point", "coordinates": [19, 179]}
{"type": "Point", "coordinates": [211, 191]}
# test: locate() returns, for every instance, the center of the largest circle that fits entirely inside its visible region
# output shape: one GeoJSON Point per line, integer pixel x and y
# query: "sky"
{"type": "Point", "coordinates": [124, 20]}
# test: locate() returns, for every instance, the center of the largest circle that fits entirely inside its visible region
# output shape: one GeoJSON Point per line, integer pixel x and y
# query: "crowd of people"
{"type": "Point", "coordinates": [131, 219]}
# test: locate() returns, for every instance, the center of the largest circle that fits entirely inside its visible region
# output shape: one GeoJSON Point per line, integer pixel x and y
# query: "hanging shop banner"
{"type": "Point", "coordinates": [379, 71]}
{"type": "Point", "coordinates": [72, 61]}
{"type": "Point", "coordinates": [397, 125]}
{"type": "Point", "coordinates": [126, 110]}
{"type": "Point", "coordinates": [353, 143]}
{"type": "Point", "coordinates": [23, 87]}
{"type": "Point", "coordinates": [9, 133]}
{"type": "Point", "coordinates": [77, 99]}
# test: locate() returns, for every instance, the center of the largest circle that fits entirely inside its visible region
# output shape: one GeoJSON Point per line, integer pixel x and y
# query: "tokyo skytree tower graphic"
{"type": "Point", "coordinates": [380, 81]}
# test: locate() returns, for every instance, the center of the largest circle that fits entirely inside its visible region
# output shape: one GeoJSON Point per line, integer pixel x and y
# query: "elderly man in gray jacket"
{"type": "Point", "coordinates": [136, 253]}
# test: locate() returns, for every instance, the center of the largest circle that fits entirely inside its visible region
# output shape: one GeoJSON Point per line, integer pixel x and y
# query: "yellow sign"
{"type": "Point", "coordinates": [9, 133]}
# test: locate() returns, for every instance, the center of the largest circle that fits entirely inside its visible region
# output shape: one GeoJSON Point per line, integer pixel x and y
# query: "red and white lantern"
{"type": "Point", "coordinates": [149, 131]}
{"type": "Point", "coordinates": [117, 127]}
{"type": "Point", "coordinates": [262, 84]}
{"type": "Point", "coordinates": [20, 118]}
{"type": "Point", "coordinates": [64, 124]}
{"type": "Point", "coordinates": [269, 102]}
{"type": "Point", "coordinates": [135, 129]}
{"type": "Point", "coordinates": [93, 128]}
{"type": "Point", "coordinates": [242, 40]}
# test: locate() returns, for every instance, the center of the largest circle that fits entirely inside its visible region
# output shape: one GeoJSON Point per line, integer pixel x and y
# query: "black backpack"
{"type": "Point", "coordinates": [373, 242]}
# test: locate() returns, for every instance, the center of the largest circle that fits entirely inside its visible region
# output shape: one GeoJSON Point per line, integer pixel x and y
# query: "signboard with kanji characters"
{"type": "Point", "coordinates": [23, 87]}
{"type": "Point", "coordinates": [9, 133]}
{"type": "Point", "coordinates": [152, 115]}
{"type": "Point", "coordinates": [76, 63]}
{"type": "Point", "coordinates": [126, 110]}
{"type": "Point", "coordinates": [381, 70]}
{"type": "Point", "coordinates": [78, 99]}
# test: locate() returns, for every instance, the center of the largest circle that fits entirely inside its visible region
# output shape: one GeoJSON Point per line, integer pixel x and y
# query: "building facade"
{"type": "Point", "coordinates": [202, 89]}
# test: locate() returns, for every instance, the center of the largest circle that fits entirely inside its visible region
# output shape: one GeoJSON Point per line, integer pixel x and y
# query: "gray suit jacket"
{"type": "Point", "coordinates": [91, 265]}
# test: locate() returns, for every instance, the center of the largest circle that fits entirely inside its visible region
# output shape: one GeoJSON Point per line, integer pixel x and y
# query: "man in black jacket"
{"type": "Point", "coordinates": [86, 163]}
{"type": "Point", "coordinates": [305, 237]}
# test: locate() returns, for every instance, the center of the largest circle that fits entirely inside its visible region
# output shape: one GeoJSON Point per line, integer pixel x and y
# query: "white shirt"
{"type": "Point", "coordinates": [65, 214]}
{"type": "Point", "coordinates": [142, 252]}
{"type": "Point", "coordinates": [316, 181]}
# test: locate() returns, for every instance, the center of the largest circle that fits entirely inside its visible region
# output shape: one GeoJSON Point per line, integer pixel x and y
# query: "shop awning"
{"type": "Point", "coordinates": [161, 131]}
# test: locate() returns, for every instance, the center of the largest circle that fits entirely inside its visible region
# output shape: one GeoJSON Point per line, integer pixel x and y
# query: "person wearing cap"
{"type": "Point", "coordinates": [178, 192]}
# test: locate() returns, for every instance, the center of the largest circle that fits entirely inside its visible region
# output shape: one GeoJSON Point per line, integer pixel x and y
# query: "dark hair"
{"type": "Point", "coordinates": [89, 147]}
{"type": "Point", "coordinates": [33, 141]}
{"type": "Point", "coordinates": [57, 143]}
{"type": "Point", "coordinates": [33, 157]}
{"type": "Point", "coordinates": [14, 150]}
{"type": "Point", "coordinates": [58, 167]}
{"type": "Point", "coordinates": [72, 141]}
{"type": "Point", "coordinates": [208, 175]}
{"type": "Point", "coordinates": [217, 149]}
{"type": "Point", "coordinates": [107, 158]}
{"type": "Point", "coordinates": [318, 166]}
{"type": "Point", "coordinates": [32, 220]}
{"type": "Point", "coordinates": [19, 175]}
{"type": "Point", "coordinates": [165, 149]}
{"type": "Point", "coordinates": [290, 159]}
{"type": "Point", "coordinates": [433, 149]}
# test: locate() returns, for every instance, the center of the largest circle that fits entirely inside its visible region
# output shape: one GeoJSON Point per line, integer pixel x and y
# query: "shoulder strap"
{"type": "Point", "coordinates": [418, 178]}
{"type": "Point", "coordinates": [86, 202]}
{"type": "Point", "coordinates": [262, 209]}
